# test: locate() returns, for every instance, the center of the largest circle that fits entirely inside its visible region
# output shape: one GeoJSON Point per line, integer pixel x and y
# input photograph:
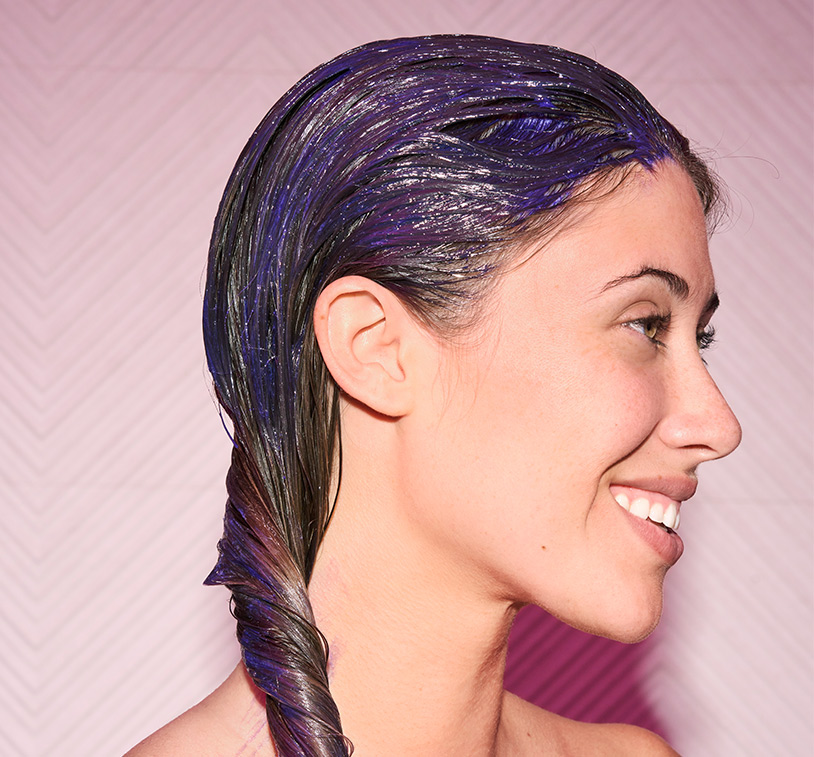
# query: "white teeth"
{"type": "Point", "coordinates": [657, 512]}
{"type": "Point", "coordinates": [623, 501]}
{"type": "Point", "coordinates": [640, 507]}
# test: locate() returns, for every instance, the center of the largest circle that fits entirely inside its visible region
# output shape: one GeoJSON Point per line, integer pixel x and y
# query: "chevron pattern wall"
{"type": "Point", "coordinates": [120, 122]}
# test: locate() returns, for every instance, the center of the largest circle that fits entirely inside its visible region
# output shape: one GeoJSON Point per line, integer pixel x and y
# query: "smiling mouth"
{"type": "Point", "coordinates": [663, 514]}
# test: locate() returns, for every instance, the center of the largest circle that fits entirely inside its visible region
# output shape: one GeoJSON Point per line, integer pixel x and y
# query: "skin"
{"type": "Point", "coordinates": [476, 479]}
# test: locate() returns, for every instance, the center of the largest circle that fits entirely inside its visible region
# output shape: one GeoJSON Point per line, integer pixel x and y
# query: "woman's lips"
{"type": "Point", "coordinates": [650, 513]}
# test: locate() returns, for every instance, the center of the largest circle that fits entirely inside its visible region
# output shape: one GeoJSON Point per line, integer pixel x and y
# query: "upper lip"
{"type": "Point", "coordinates": [678, 488]}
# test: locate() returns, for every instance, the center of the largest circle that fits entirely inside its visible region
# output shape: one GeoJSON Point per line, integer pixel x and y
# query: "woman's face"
{"type": "Point", "coordinates": [583, 391]}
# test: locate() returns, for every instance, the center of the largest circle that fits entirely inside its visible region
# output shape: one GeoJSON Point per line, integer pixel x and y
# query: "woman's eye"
{"type": "Point", "coordinates": [651, 327]}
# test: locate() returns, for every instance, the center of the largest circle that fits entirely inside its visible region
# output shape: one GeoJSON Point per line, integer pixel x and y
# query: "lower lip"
{"type": "Point", "coordinates": [668, 546]}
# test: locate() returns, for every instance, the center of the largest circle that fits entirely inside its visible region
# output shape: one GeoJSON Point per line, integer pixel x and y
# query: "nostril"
{"type": "Point", "coordinates": [708, 433]}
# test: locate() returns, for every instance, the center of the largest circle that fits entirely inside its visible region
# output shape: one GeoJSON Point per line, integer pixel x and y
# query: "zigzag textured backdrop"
{"type": "Point", "coordinates": [120, 123]}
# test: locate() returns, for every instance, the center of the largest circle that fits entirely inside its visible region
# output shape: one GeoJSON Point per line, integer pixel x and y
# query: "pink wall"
{"type": "Point", "coordinates": [120, 122]}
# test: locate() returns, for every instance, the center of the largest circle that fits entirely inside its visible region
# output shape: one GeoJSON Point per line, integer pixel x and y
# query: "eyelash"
{"type": "Point", "coordinates": [705, 339]}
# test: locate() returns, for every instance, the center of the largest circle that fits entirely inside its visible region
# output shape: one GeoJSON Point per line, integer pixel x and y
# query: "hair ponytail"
{"type": "Point", "coordinates": [282, 648]}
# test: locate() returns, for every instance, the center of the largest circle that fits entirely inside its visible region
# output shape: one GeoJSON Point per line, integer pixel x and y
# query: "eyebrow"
{"type": "Point", "coordinates": [676, 284]}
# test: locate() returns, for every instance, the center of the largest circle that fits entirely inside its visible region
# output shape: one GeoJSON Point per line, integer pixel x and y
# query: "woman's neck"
{"type": "Point", "coordinates": [416, 653]}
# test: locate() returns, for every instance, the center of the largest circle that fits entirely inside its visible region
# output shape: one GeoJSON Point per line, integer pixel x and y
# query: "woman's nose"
{"type": "Point", "coordinates": [700, 418]}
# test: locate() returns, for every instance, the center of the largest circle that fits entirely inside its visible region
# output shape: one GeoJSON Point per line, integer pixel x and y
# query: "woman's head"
{"type": "Point", "coordinates": [422, 165]}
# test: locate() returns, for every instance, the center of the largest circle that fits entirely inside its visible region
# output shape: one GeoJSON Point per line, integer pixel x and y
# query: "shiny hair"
{"type": "Point", "coordinates": [418, 163]}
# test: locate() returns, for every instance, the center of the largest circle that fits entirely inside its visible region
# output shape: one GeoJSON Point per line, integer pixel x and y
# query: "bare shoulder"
{"type": "Point", "coordinates": [186, 735]}
{"type": "Point", "coordinates": [622, 739]}
{"type": "Point", "coordinates": [532, 729]}
{"type": "Point", "coordinates": [230, 721]}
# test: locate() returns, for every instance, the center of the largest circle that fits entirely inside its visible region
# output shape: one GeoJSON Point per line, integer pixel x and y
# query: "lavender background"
{"type": "Point", "coordinates": [119, 123]}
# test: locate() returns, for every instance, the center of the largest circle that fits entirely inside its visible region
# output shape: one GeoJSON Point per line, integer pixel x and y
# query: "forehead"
{"type": "Point", "coordinates": [653, 219]}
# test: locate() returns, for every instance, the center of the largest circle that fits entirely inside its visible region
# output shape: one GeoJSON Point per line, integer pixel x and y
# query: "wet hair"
{"type": "Point", "coordinates": [418, 163]}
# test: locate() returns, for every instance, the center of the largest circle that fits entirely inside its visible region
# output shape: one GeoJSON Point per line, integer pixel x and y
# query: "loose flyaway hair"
{"type": "Point", "coordinates": [418, 163]}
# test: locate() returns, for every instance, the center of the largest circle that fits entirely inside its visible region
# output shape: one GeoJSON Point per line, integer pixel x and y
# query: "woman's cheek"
{"type": "Point", "coordinates": [640, 398]}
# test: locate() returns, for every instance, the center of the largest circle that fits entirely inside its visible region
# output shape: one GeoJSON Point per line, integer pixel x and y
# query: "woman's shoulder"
{"type": "Point", "coordinates": [189, 734]}
{"type": "Point", "coordinates": [533, 728]}
{"type": "Point", "coordinates": [230, 721]}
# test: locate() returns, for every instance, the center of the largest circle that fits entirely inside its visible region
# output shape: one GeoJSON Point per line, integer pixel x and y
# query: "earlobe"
{"type": "Point", "coordinates": [365, 333]}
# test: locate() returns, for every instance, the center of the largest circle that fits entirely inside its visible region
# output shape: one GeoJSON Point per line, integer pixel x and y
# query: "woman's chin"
{"type": "Point", "coordinates": [636, 624]}
{"type": "Point", "coordinates": [634, 633]}
{"type": "Point", "coordinates": [628, 622]}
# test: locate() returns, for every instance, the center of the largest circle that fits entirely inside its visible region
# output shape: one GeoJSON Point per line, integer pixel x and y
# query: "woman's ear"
{"type": "Point", "coordinates": [367, 338]}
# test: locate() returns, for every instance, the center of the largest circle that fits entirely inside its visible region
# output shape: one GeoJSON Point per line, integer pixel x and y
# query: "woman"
{"type": "Point", "coordinates": [457, 293]}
